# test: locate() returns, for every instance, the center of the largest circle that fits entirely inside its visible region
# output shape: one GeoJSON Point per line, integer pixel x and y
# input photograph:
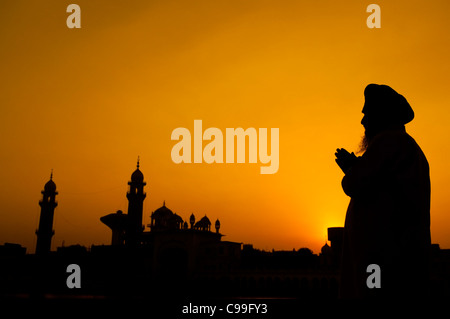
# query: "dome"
{"type": "Point", "coordinates": [137, 176]}
{"type": "Point", "coordinates": [176, 218]}
{"type": "Point", "coordinates": [50, 186]}
{"type": "Point", "coordinates": [162, 211]}
{"type": "Point", "coordinates": [164, 219]}
{"type": "Point", "coordinates": [205, 221]}
{"type": "Point", "coordinates": [203, 224]}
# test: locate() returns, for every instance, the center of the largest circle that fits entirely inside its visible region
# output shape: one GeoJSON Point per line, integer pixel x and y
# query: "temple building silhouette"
{"type": "Point", "coordinates": [127, 229]}
{"type": "Point", "coordinates": [172, 244]}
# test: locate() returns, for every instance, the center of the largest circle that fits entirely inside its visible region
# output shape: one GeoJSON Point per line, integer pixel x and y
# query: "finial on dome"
{"type": "Point", "coordinates": [51, 174]}
{"type": "Point", "coordinates": [164, 203]}
{"type": "Point", "coordinates": [137, 163]}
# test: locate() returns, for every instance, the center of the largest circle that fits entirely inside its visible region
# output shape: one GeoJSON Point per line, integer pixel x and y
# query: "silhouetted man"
{"type": "Point", "coordinates": [388, 218]}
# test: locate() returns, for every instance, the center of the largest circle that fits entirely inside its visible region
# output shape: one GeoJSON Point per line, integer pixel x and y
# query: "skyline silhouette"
{"type": "Point", "coordinates": [171, 254]}
{"type": "Point", "coordinates": [118, 222]}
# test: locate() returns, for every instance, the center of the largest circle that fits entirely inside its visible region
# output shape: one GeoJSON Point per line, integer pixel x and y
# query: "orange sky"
{"type": "Point", "coordinates": [86, 102]}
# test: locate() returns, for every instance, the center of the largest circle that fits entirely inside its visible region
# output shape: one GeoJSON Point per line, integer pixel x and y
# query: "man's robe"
{"type": "Point", "coordinates": [388, 219]}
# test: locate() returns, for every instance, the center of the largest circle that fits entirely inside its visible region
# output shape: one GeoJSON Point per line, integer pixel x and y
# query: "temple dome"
{"type": "Point", "coordinates": [205, 220]}
{"type": "Point", "coordinates": [163, 211]}
{"type": "Point", "coordinates": [203, 224]}
{"type": "Point", "coordinates": [50, 186]}
{"type": "Point", "coordinates": [164, 219]}
{"type": "Point", "coordinates": [137, 176]}
{"type": "Point", "coordinates": [177, 218]}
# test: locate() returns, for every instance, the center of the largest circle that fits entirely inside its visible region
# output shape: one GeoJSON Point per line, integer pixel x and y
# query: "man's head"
{"type": "Point", "coordinates": [383, 109]}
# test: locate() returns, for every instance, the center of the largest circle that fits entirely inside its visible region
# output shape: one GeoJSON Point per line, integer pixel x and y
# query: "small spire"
{"type": "Point", "coordinates": [164, 203]}
{"type": "Point", "coordinates": [51, 174]}
{"type": "Point", "coordinates": [138, 162]}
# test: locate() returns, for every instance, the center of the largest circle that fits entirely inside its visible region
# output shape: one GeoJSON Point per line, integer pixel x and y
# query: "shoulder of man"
{"type": "Point", "coordinates": [393, 139]}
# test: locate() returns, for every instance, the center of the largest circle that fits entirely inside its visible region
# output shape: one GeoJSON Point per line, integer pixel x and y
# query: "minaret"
{"type": "Point", "coordinates": [136, 198]}
{"type": "Point", "coordinates": [45, 231]}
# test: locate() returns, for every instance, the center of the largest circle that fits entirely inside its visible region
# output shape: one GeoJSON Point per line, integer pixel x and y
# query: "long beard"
{"type": "Point", "coordinates": [363, 144]}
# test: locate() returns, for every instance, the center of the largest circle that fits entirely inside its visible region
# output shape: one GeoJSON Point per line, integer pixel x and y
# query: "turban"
{"type": "Point", "coordinates": [384, 102]}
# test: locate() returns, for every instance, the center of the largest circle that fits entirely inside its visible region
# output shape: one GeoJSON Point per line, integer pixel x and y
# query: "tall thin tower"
{"type": "Point", "coordinates": [136, 198]}
{"type": "Point", "coordinates": [45, 231]}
